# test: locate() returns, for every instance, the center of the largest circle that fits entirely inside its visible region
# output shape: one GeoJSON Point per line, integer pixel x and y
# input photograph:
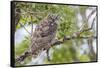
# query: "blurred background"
{"type": "Point", "coordinates": [73, 19]}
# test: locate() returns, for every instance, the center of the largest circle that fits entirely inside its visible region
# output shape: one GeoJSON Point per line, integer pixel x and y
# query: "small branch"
{"type": "Point", "coordinates": [88, 28]}
{"type": "Point", "coordinates": [25, 29]}
{"type": "Point", "coordinates": [91, 14]}
{"type": "Point", "coordinates": [31, 26]}
{"type": "Point", "coordinates": [31, 29]}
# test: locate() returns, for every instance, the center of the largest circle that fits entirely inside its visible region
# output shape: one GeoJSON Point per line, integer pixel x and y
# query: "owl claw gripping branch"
{"type": "Point", "coordinates": [43, 36]}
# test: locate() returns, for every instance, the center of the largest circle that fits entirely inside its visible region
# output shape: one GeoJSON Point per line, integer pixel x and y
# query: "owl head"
{"type": "Point", "coordinates": [53, 17]}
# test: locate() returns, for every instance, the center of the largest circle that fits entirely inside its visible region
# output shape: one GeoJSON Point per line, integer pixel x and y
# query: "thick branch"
{"type": "Point", "coordinates": [70, 38]}
{"type": "Point", "coordinates": [22, 57]}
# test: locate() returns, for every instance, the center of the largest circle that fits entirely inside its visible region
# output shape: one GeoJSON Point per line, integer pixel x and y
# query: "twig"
{"type": "Point", "coordinates": [31, 26]}
{"type": "Point", "coordinates": [31, 29]}
{"type": "Point", "coordinates": [25, 28]}
{"type": "Point", "coordinates": [91, 14]}
{"type": "Point", "coordinates": [88, 28]}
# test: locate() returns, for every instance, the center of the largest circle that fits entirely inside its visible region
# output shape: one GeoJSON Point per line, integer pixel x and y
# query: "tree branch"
{"type": "Point", "coordinates": [77, 35]}
{"type": "Point", "coordinates": [22, 57]}
{"type": "Point", "coordinates": [91, 14]}
{"type": "Point", "coordinates": [88, 28]}
{"type": "Point", "coordinates": [70, 38]}
{"type": "Point", "coordinates": [24, 28]}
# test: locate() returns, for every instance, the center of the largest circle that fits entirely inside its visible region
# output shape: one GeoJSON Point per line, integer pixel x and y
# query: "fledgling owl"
{"type": "Point", "coordinates": [44, 34]}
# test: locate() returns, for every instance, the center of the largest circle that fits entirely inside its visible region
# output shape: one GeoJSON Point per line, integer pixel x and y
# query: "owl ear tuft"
{"type": "Point", "coordinates": [53, 16]}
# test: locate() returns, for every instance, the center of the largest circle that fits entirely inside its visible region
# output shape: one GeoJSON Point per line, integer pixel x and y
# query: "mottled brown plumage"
{"type": "Point", "coordinates": [44, 34]}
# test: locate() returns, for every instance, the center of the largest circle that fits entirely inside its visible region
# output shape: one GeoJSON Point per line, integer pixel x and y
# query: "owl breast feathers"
{"type": "Point", "coordinates": [44, 34]}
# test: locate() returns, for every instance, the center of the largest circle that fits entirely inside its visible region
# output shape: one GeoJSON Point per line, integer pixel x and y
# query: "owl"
{"type": "Point", "coordinates": [42, 38]}
{"type": "Point", "coordinates": [44, 34]}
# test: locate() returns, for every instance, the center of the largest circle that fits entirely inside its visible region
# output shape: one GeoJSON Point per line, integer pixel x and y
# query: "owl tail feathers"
{"type": "Point", "coordinates": [22, 57]}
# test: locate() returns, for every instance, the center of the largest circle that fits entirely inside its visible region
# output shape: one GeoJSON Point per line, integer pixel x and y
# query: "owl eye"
{"type": "Point", "coordinates": [52, 24]}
